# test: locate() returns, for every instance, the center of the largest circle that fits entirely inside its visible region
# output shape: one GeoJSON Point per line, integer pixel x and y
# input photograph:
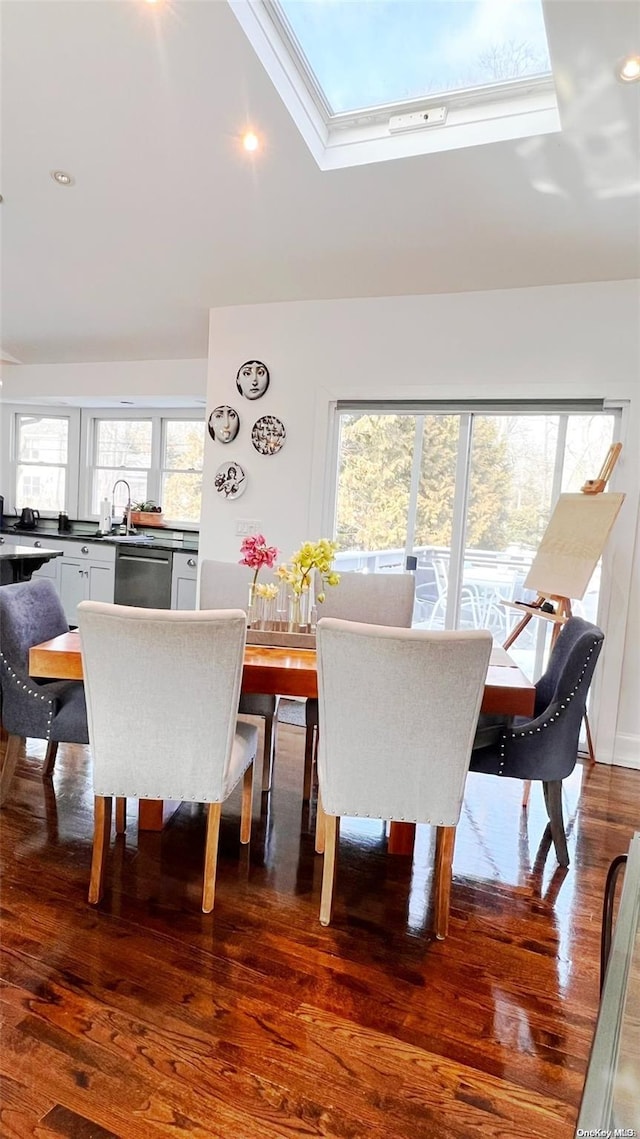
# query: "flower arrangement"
{"type": "Point", "coordinates": [298, 573]}
{"type": "Point", "coordinates": [256, 554]}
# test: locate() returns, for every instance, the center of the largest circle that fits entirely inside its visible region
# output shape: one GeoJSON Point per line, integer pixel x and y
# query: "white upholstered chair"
{"type": "Point", "coordinates": [162, 689]}
{"type": "Point", "coordinates": [375, 598]}
{"type": "Point", "coordinates": [225, 585]}
{"type": "Point", "coordinates": [398, 712]}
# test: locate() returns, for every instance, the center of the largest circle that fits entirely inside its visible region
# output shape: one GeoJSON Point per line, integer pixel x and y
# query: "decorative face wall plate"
{"type": "Point", "coordinates": [224, 423]}
{"type": "Point", "coordinates": [230, 480]}
{"type": "Point", "coordinates": [252, 379]}
{"type": "Point", "coordinates": [268, 434]}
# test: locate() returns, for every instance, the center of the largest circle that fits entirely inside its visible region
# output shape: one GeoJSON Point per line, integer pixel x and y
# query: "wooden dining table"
{"type": "Point", "coordinates": [288, 672]}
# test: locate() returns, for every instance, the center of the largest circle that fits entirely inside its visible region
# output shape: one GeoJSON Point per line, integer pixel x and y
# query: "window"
{"type": "Point", "coordinates": [42, 457]}
{"type": "Point", "coordinates": [122, 450]}
{"type": "Point", "coordinates": [182, 462]}
{"type": "Point", "coordinates": [469, 494]}
{"type": "Point", "coordinates": [377, 79]}
{"type": "Point", "coordinates": [160, 457]}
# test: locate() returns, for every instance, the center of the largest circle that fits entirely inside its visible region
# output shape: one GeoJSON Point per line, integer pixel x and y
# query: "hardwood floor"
{"type": "Point", "coordinates": [147, 1018]}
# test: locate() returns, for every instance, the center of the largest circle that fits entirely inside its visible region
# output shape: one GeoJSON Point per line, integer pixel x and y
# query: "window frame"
{"type": "Point", "coordinates": [10, 448]}
{"type": "Point", "coordinates": [494, 113]}
{"type": "Point", "coordinates": [163, 469]}
{"type": "Point", "coordinates": [158, 418]}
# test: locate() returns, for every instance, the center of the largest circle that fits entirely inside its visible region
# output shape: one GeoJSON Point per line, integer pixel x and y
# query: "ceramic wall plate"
{"type": "Point", "coordinates": [252, 379]}
{"type": "Point", "coordinates": [268, 434]}
{"type": "Point", "coordinates": [224, 423]}
{"type": "Point", "coordinates": [230, 480]}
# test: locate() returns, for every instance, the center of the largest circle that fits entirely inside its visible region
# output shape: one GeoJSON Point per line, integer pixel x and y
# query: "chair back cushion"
{"type": "Point", "coordinates": [398, 713]}
{"type": "Point", "coordinates": [225, 585]}
{"type": "Point", "coordinates": [546, 747]}
{"type": "Point", "coordinates": [162, 690]}
{"type": "Point", "coordinates": [374, 598]}
{"type": "Point", "coordinates": [30, 612]}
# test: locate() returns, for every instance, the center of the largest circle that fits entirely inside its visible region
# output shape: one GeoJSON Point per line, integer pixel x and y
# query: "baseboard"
{"type": "Point", "coordinates": [627, 752]}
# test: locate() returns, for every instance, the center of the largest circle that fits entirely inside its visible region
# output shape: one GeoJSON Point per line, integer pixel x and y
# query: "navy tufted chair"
{"type": "Point", "coordinates": [51, 710]}
{"type": "Point", "coordinates": [546, 746]}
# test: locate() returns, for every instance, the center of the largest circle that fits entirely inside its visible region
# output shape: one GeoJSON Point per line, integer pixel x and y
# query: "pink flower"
{"type": "Point", "coordinates": [256, 553]}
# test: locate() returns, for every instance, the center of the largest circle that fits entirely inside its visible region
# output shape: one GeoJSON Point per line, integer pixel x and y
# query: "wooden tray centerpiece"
{"type": "Point", "coordinates": [278, 635]}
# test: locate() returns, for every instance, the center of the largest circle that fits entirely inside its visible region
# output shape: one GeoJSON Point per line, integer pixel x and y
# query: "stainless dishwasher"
{"type": "Point", "coordinates": [143, 577]}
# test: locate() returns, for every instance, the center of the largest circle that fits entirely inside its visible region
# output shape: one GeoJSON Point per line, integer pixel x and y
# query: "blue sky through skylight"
{"type": "Point", "coordinates": [366, 53]}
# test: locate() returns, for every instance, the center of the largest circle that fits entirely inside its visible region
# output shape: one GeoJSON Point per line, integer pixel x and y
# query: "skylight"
{"type": "Point", "coordinates": [368, 80]}
{"type": "Point", "coordinates": [369, 53]}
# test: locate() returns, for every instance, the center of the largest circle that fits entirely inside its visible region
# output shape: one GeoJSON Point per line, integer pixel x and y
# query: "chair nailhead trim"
{"type": "Point", "coordinates": [37, 695]}
{"type": "Point", "coordinates": [529, 732]}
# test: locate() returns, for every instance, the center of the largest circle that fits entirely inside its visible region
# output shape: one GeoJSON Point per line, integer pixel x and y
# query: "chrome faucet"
{"type": "Point", "coordinates": [127, 509]}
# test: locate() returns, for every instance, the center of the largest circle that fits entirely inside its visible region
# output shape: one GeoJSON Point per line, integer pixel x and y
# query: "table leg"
{"type": "Point", "coordinates": [401, 838]}
{"type": "Point", "coordinates": [154, 814]}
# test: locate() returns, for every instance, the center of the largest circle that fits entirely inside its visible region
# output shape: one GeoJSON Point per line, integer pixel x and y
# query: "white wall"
{"type": "Point", "coordinates": [573, 341]}
{"type": "Point", "coordinates": [127, 379]}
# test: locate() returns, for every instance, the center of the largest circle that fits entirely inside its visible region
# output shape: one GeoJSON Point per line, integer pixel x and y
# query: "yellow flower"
{"type": "Point", "coordinates": [311, 556]}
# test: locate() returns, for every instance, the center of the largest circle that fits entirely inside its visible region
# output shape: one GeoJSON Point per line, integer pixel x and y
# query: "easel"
{"type": "Point", "coordinates": [554, 607]}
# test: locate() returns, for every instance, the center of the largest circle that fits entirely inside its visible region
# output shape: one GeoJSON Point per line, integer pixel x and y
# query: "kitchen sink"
{"type": "Point", "coordinates": [130, 538]}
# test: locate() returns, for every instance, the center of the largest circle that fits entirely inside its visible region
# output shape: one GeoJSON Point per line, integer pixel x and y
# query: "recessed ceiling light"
{"type": "Point", "coordinates": [62, 178]}
{"type": "Point", "coordinates": [250, 141]}
{"type": "Point", "coordinates": [629, 69]}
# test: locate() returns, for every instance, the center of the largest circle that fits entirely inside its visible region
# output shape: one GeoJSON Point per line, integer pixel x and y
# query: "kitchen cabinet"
{"type": "Point", "coordinates": [87, 573]}
{"type": "Point", "coordinates": [184, 581]}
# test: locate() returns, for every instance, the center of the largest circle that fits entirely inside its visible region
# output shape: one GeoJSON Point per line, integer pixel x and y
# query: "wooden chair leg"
{"type": "Point", "coordinates": [321, 819]}
{"type": "Point", "coordinates": [9, 760]}
{"type": "Point", "coordinates": [309, 741]}
{"type": "Point", "coordinates": [211, 857]}
{"type": "Point", "coordinates": [526, 791]}
{"type": "Point", "coordinates": [445, 842]}
{"type": "Point", "coordinates": [332, 838]}
{"type": "Point", "coordinates": [101, 837]}
{"type": "Point", "coordinates": [247, 804]}
{"type": "Point", "coordinates": [270, 725]}
{"type": "Point", "coordinates": [590, 748]}
{"type": "Point", "coordinates": [121, 815]}
{"type": "Point", "coordinates": [49, 758]}
{"type": "Point", "coordinates": [553, 801]}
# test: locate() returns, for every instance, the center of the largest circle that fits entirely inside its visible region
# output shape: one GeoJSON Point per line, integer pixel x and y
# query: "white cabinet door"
{"type": "Point", "coordinates": [82, 579]}
{"type": "Point", "coordinates": [184, 581]}
{"type": "Point", "coordinates": [72, 587]}
{"type": "Point", "coordinates": [100, 581]}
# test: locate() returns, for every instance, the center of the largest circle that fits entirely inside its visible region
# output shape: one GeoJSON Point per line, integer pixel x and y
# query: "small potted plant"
{"type": "Point", "coordinates": [146, 513]}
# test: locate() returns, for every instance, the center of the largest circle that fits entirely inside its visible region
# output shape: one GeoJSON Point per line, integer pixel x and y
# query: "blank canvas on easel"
{"type": "Point", "coordinates": [573, 544]}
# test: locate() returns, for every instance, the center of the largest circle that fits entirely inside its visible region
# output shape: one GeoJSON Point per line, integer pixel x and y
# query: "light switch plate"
{"type": "Point", "coordinates": [247, 526]}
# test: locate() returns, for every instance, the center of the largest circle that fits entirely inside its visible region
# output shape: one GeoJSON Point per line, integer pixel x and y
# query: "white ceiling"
{"type": "Point", "coordinates": [145, 104]}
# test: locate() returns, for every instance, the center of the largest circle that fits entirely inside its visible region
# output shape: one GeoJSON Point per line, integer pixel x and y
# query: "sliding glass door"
{"type": "Point", "coordinates": [468, 493]}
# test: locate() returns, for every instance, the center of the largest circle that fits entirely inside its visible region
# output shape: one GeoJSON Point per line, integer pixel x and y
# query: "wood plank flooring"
{"type": "Point", "coordinates": [145, 1017]}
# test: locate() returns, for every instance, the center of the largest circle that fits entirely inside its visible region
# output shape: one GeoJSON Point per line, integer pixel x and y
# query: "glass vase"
{"type": "Point", "coordinates": [300, 607]}
{"type": "Point", "coordinates": [252, 606]}
{"type": "Point", "coordinates": [266, 612]}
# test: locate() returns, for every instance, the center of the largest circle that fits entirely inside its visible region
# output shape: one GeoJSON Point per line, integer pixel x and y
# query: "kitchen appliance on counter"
{"type": "Point", "coordinates": [28, 519]}
{"type": "Point", "coordinates": [143, 577]}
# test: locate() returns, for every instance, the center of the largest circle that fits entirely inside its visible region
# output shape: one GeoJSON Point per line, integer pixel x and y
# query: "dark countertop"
{"type": "Point", "coordinates": [163, 540]}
